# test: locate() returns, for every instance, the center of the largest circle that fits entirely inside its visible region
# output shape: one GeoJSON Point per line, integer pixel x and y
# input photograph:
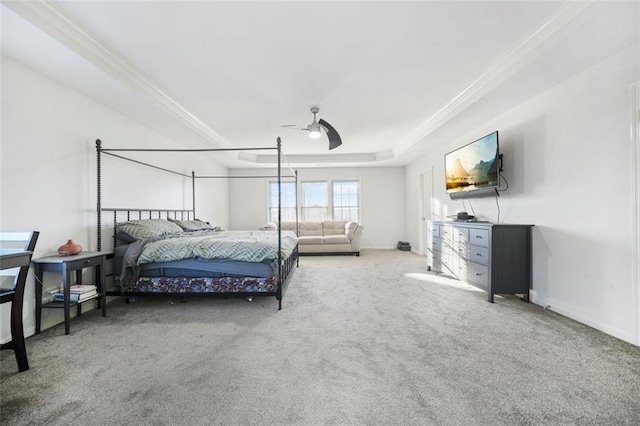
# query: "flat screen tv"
{"type": "Point", "coordinates": [473, 171]}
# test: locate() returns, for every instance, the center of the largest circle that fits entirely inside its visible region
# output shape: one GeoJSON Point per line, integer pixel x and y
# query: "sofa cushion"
{"type": "Point", "coordinates": [287, 226]}
{"type": "Point", "coordinates": [336, 239]}
{"type": "Point", "coordinates": [311, 240]}
{"type": "Point", "coordinates": [334, 227]}
{"type": "Point", "coordinates": [310, 228]}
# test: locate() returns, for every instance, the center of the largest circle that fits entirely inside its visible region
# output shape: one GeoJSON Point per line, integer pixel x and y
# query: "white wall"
{"type": "Point", "coordinates": [48, 171]}
{"type": "Point", "coordinates": [381, 197]}
{"type": "Point", "coordinates": [567, 157]}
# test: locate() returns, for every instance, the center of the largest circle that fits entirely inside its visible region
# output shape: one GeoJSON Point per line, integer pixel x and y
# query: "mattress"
{"type": "Point", "coordinates": [196, 268]}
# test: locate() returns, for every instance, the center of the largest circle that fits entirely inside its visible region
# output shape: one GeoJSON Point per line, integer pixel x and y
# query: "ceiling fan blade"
{"type": "Point", "coordinates": [334, 138]}
{"type": "Point", "coordinates": [294, 127]}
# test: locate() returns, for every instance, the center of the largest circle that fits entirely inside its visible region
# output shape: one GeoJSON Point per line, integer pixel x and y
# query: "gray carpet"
{"type": "Point", "coordinates": [373, 340]}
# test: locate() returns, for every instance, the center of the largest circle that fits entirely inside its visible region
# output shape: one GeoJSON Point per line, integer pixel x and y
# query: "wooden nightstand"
{"type": "Point", "coordinates": [66, 265]}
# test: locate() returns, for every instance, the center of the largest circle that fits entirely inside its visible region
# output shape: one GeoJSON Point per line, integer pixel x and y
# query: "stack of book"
{"type": "Point", "coordinates": [78, 293]}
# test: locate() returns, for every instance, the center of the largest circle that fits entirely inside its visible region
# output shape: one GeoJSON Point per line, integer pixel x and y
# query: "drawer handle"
{"type": "Point", "coordinates": [478, 274]}
{"type": "Point", "coordinates": [479, 236]}
{"type": "Point", "coordinates": [478, 254]}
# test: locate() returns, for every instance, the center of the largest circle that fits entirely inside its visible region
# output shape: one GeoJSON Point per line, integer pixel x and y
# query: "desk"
{"type": "Point", "coordinates": [66, 265]}
{"type": "Point", "coordinates": [13, 258]}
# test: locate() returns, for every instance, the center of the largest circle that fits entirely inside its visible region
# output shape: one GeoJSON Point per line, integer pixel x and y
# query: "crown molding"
{"type": "Point", "coordinates": [499, 71]}
{"type": "Point", "coordinates": [368, 157]}
{"type": "Point", "coordinates": [51, 19]}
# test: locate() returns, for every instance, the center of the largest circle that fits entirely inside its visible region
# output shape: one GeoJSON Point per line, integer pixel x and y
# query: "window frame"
{"type": "Point", "coordinates": [329, 194]}
{"type": "Point", "coordinates": [326, 206]}
{"type": "Point", "coordinates": [357, 206]}
{"type": "Point", "coordinates": [270, 218]}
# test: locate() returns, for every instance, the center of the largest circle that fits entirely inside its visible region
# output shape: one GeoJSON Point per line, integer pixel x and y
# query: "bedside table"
{"type": "Point", "coordinates": [66, 265]}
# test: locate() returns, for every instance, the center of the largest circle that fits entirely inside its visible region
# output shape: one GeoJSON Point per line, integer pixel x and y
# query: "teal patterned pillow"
{"type": "Point", "coordinates": [148, 228]}
{"type": "Point", "coordinates": [191, 225]}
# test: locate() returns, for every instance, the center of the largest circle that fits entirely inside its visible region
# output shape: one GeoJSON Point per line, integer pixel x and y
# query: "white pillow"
{"type": "Point", "coordinates": [269, 226]}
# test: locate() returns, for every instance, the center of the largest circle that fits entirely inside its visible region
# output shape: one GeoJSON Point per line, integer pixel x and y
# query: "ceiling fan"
{"type": "Point", "coordinates": [315, 132]}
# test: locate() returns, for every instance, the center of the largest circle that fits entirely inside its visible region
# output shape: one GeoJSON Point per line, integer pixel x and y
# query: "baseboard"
{"type": "Point", "coordinates": [330, 253]}
{"type": "Point", "coordinates": [563, 310]}
{"type": "Point", "coordinates": [379, 248]}
{"type": "Point", "coordinates": [28, 332]}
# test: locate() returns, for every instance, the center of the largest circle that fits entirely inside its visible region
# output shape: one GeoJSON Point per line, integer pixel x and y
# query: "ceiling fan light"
{"type": "Point", "coordinates": [314, 131]}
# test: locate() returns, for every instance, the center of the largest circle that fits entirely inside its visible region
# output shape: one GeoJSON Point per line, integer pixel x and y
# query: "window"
{"type": "Point", "coordinates": [314, 201]}
{"type": "Point", "coordinates": [288, 201]}
{"type": "Point", "coordinates": [345, 200]}
{"type": "Point", "coordinates": [320, 200]}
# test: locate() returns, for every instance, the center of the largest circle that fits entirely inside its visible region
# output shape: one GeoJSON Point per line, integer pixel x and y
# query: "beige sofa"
{"type": "Point", "coordinates": [328, 237]}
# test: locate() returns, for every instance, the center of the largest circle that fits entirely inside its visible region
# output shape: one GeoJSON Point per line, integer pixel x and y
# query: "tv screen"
{"type": "Point", "coordinates": [472, 170]}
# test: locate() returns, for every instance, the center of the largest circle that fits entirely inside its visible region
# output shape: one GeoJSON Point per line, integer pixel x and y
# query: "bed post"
{"type": "Point", "coordinates": [193, 194]}
{"type": "Point", "coordinates": [279, 290]}
{"type": "Point", "coordinates": [99, 194]}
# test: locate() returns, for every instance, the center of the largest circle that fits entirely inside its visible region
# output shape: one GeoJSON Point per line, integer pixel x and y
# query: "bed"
{"type": "Point", "coordinates": [170, 252]}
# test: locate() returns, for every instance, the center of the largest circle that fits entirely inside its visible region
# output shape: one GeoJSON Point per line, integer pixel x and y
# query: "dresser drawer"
{"type": "Point", "coordinates": [446, 246]}
{"type": "Point", "coordinates": [461, 235]}
{"type": "Point", "coordinates": [436, 244]}
{"type": "Point", "coordinates": [478, 275]}
{"type": "Point", "coordinates": [479, 237]}
{"type": "Point", "coordinates": [478, 254]}
{"type": "Point", "coordinates": [446, 232]}
{"type": "Point", "coordinates": [446, 264]}
{"type": "Point", "coordinates": [435, 230]}
{"type": "Point", "coordinates": [462, 250]}
{"type": "Point", "coordinates": [84, 263]}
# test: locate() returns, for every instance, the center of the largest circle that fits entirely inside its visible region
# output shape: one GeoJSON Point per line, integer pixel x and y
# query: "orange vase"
{"type": "Point", "coordinates": [69, 248]}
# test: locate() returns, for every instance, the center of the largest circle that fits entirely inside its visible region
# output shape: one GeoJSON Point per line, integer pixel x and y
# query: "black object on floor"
{"type": "Point", "coordinates": [404, 246]}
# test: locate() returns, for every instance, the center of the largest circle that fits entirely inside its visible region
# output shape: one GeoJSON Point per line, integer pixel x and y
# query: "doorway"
{"type": "Point", "coordinates": [425, 207]}
{"type": "Point", "coordinates": [635, 182]}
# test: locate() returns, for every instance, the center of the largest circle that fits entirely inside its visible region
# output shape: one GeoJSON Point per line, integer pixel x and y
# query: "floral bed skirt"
{"type": "Point", "coordinates": [204, 285]}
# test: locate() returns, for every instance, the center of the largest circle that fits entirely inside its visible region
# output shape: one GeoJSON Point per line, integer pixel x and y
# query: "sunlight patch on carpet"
{"type": "Point", "coordinates": [441, 280]}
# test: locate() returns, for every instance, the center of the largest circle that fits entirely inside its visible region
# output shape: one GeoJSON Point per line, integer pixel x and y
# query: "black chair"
{"type": "Point", "coordinates": [13, 244]}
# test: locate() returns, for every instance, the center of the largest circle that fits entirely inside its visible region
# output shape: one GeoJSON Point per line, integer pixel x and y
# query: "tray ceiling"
{"type": "Point", "coordinates": [389, 76]}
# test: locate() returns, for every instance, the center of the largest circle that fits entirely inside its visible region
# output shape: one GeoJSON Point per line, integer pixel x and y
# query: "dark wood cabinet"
{"type": "Point", "coordinates": [493, 257]}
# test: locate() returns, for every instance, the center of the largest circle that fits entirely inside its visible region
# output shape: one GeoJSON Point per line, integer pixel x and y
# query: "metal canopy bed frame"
{"type": "Point", "coordinates": [284, 265]}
